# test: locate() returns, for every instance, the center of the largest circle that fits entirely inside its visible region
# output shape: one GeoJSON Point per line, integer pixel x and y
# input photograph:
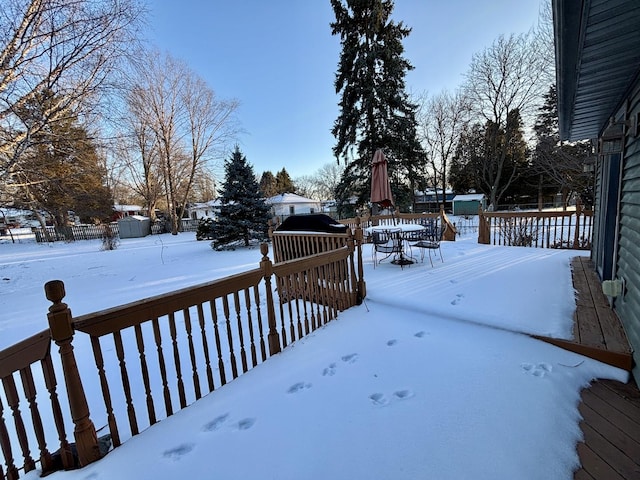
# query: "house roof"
{"type": "Point", "coordinates": [597, 57]}
{"type": "Point", "coordinates": [289, 198]}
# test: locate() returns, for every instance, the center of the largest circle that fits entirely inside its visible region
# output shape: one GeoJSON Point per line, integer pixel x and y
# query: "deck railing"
{"type": "Point", "coordinates": [404, 218]}
{"type": "Point", "coordinates": [156, 356]}
{"type": "Point", "coordinates": [568, 229]}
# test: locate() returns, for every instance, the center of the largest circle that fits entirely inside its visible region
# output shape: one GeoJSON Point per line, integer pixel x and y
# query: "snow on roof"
{"type": "Point", "coordinates": [289, 198]}
{"type": "Point", "coordinates": [469, 197]}
{"type": "Point", "coordinates": [127, 208]}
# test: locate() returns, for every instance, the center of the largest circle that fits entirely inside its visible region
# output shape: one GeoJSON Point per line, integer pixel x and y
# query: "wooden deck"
{"type": "Point", "coordinates": [611, 428]}
{"type": "Point", "coordinates": [597, 331]}
{"type": "Point", "coordinates": [610, 410]}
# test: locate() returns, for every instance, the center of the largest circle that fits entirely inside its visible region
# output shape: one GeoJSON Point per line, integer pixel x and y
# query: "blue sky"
{"type": "Point", "coordinates": [278, 58]}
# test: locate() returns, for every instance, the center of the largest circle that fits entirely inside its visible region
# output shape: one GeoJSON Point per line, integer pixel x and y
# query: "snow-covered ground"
{"type": "Point", "coordinates": [432, 377]}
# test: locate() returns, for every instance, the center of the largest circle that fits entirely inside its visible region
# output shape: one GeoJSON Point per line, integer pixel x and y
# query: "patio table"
{"type": "Point", "coordinates": [405, 229]}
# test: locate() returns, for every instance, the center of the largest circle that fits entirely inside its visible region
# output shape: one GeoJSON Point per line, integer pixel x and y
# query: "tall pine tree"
{"type": "Point", "coordinates": [243, 214]}
{"type": "Point", "coordinates": [375, 111]}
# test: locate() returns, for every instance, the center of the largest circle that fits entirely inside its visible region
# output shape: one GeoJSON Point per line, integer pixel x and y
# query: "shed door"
{"type": "Point", "coordinates": [608, 211]}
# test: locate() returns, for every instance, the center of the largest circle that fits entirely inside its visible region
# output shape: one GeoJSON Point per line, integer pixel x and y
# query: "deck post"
{"type": "Point", "coordinates": [576, 232]}
{"type": "Point", "coordinates": [358, 237]}
{"type": "Point", "coordinates": [267, 272]}
{"type": "Point", "coordinates": [483, 228]}
{"type": "Point", "coordinates": [61, 328]}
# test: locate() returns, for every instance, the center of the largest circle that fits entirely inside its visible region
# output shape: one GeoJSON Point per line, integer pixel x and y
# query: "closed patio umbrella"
{"type": "Point", "coordinates": [380, 186]}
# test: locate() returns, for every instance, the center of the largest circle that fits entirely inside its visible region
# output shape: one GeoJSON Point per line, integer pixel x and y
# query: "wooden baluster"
{"type": "Point", "coordinates": [151, 411]}
{"type": "Point", "coordinates": [104, 384]}
{"type": "Point", "coordinates": [5, 443]}
{"type": "Point", "coordinates": [192, 353]}
{"type": "Point", "coordinates": [243, 353]}
{"type": "Point", "coordinates": [294, 320]}
{"type": "Point", "coordinates": [232, 355]}
{"type": "Point", "coordinates": [51, 385]}
{"type": "Point", "coordinates": [576, 234]}
{"type": "Point", "coordinates": [263, 350]}
{"type": "Point", "coordinates": [313, 278]}
{"type": "Point", "coordinates": [252, 346]}
{"type": "Point", "coordinates": [166, 392]}
{"type": "Point", "coordinates": [311, 298]}
{"type": "Point", "coordinates": [216, 331]}
{"type": "Point", "coordinates": [205, 347]}
{"type": "Point", "coordinates": [13, 401]}
{"type": "Point", "coordinates": [267, 272]}
{"type": "Point", "coordinates": [176, 360]}
{"type": "Point", "coordinates": [61, 328]}
{"type": "Point", "coordinates": [126, 386]}
{"type": "Point", "coordinates": [29, 389]}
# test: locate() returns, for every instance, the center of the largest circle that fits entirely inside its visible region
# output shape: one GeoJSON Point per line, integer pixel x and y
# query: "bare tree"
{"type": "Point", "coordinates": [59, 54]}
{"type": "Point", "coordinates": [322, 184]}
{"type": "Point", "coordinates": [511, 75]}
{"type": "Point", "coordinates": [442, 119]}
{"type": "Point", "coordinates": [189, 125]}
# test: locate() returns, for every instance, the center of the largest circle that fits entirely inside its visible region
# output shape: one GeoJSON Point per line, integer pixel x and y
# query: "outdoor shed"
{"type": "Point", "coordinates": [134, 226]}
{"type": "Point", "coordinates": [469, 204]}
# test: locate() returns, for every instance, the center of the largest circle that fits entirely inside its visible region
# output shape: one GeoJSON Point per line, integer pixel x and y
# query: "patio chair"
{"type": "Point", "coordinates": [387, 243]}
{"type": "Point", "coordinates": [430, 239]}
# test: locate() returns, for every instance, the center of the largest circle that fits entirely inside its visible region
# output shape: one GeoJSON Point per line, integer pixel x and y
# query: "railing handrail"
{"type": "Point", "coordinates": [326, 279]}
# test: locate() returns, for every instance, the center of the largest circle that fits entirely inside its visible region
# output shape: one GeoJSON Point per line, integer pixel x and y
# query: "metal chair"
{"type": "Point", "coordinates": [386, 242]}
{"type": "Point", "coordinates": [429, 239]}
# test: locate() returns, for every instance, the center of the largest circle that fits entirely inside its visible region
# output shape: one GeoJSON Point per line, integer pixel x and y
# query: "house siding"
{"type": "Point", "coordinates": [628, 258]}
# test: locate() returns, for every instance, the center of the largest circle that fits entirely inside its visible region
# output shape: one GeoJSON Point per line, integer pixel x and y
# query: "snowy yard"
{"type": "Point", "coordinates": [432, 377]}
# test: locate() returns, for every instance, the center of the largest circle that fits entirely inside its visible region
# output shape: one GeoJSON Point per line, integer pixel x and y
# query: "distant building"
{"type": "Point", "coordinates": [287, 204]}
{"type": "Point", "coordinates": [210, 209]}
{"type": "Point", "coordinates": [468, 204]}
{"type": "Point", "coordinates": [121, 211]}
{"type": "Point", "coordinates": [430, 200]}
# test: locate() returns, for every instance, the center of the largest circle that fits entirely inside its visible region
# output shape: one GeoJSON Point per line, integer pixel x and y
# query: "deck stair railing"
{"type": "Point", "coordinates": [156, 356]}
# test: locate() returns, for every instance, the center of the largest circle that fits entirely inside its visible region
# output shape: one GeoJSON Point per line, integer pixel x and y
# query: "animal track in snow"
{"type": "Point", "coordinates": [392, 342]}
{"type": "Point", "coordinates": [539, 370]}
{"type": "Point", "coordinates": [216, 423]}
{"type": "Point", "coordinates": [351, 358]}
{"type": "Point", "coordinates": [458, 298]}
{"type": "Point", "coordinates": [329, 371]}
{"type": "Point", "coordinates": [420, 334]}
{"type": "Point", "coordinates": [246, 423]}
{"type": "Point", "coordinates": [378, 399]}
{"type": "Point", "coordinates": [298, 387]}
{"type": "Point", "coordinates": [176, 453]}
{"type": "Point", "coordinates": [403, 394]}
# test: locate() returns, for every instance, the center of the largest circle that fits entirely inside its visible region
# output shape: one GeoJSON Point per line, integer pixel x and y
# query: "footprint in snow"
{"type": "Point", "coordinates": [246, 423]}
{"type": "Point", "coordinates": [453, 281]}
{"type": "Point", "coordinates": [392, 342]}
{"type": "Point", "coordinates": [176, 453]}
{"type": "Point", "coordinates": [420, 334]}
{"type": "Point", "coordinates": [329, 371]}
{"type": "Point", "coordinates": [215, 424]}
{"type": "Point", "coordinates": [538, 370]}
{"type": "Point", "coordinates": [458, 298]}
{"type": "Point", "coordinates": [378, 399]}
{"type": "Point", "coordinates": [403, 394]}
{"type": "Point", "coordinates": [351, 358]}
{"type": "Point", "coordinates": [298, 387]}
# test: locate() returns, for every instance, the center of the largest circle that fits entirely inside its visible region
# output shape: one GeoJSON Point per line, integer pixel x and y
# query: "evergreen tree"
{"type": "Point", "coordinates": [375, 111]}
{"type": "Point", "coordinates": [268, 184]}
{"type": "Point", "coordinates": [63, 172]}
{"type": "Point", "coordinates": [558, 167]}
{"type": "Point", "coordinates": [284, 184]}
{"type": "Point", "coordinates": [243, 214]}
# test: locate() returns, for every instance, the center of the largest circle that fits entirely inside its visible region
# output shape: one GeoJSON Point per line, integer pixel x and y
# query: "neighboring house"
{"type": "Point", "coordinates": [287, 204]}
{"type": "Point", "coordinates": [430, 200]}
{"type": "Point", "coordinates": [209, 209]}
{"type": "Point", "coordinates": [598, 79]}
{"type": "Point", "coordinates": [468, 204]}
